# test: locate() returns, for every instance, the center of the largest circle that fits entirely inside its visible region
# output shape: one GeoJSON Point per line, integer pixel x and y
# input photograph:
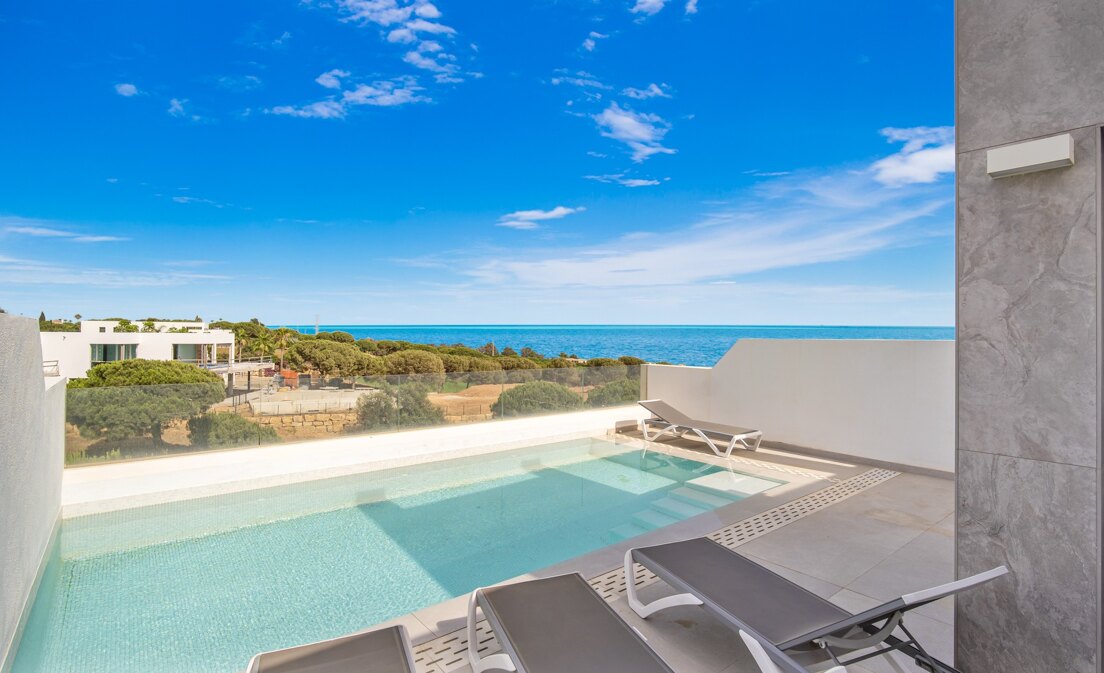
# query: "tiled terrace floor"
{"type": "Point", "coordinates": [890, 539]}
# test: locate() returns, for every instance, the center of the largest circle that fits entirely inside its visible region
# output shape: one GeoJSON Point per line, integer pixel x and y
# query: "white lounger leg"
{"type": "Point", "coordinates": [766, 664]}
{"type": "Point", "coordinates": [479, 664]}
{"type": "Point", "coordinates": [645, 611]}
{"type": "Point", "coordinates": [669, 430]}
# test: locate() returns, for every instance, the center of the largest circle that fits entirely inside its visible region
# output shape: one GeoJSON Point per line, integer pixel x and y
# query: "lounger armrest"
{"type": "Point", "coordinates": [951, 588]}
{"type": "Point", "coordinates": [902, 604]}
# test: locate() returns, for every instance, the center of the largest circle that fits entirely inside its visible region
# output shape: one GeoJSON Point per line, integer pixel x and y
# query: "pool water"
{"type": "Point", "coordinates": [201, 586]}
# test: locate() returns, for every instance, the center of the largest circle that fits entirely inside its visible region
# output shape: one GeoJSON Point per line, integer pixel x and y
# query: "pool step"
{"type": "Point", "coordinates": [651, 519]}
{"type": "Point", "coordinates": [624, 532]}
{"type": "Point", "coordinates": [700, 498]}
{"type": "Point", "coordinates": [677, 508]}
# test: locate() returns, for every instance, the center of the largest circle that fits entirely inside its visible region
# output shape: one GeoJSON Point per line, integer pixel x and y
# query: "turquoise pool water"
{"type": "Point", "coordinates": [201, 586]}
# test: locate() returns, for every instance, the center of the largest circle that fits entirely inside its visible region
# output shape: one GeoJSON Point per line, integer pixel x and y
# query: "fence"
{"type": "Point", "coordinates": [129, 422]}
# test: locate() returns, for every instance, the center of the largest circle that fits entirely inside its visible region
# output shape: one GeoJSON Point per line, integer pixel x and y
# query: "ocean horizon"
{"type": "Point", "coordinates": [700, 345]}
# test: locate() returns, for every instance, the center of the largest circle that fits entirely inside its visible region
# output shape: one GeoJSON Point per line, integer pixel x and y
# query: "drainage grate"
{"type": "Point", "coordinates": [450, 652]}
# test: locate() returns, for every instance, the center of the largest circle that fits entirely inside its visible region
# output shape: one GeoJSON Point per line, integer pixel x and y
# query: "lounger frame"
{"type": "Point", "coordinates": [872, 628]}
{"type": "Point", "coordinates": [679, 427]}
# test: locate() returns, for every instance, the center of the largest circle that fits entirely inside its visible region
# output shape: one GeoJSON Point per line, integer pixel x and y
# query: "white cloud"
{"type": "Point", "coordinates": [126, 89]}
{"type": "Point", "coordinates": [239, 82]}
{"type": "Point", "coordinates": [835, 216]}
{"type": "Point", "coordinates": [31, 272]}
{"type": "Point", "coordinates": [691, 6]}
{"type": "Point", "coordinates": [323, 109]}
{"type": "Point", "coordinates": [620, 179]}
{"type": "Point", "coordinates": [927, 155]}
{"type": "Point", "coordinates": [581, 79]}
{"type": "Point", "coordinates": [427, 10]}
{"type": "Point", "coordinates": [381, 93]}
{"type": "Point", "coordinates": [648, 7]}
{"type": "Point", "coordinates": [196, 199]}
{"type": "Point", "coordinates": [19, 226]}
{"type": "Point", "coordinates": [408, 23]}
{"type": "Point", "coordinates": [643, 133]}
{"type": "Point", "coordinates": [331, 79]}
{"type": "Point", "coordinates": [651, 91]}
{"type": "Point", "coordinates": [591, 40]}
{"type": "Point", "coordinates": [528, 219]}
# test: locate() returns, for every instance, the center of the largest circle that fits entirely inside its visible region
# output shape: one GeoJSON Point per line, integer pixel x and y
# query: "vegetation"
{"type": "Point", "coordinates": [625, 391]}
{"type": "Point", "coordinates": [133, 398]}
{"type": "Point", "coordinates": [536, 397]}
{"type": "Point", "coordinates": [45, 325]}
{"type": "Point", "coordinates": [402, 406]}
{"type": "Point", "coordinates": [219, 431]}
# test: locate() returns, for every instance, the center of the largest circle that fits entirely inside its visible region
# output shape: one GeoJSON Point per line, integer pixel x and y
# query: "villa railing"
{"type": "Point", "coordinates": [130, 422]}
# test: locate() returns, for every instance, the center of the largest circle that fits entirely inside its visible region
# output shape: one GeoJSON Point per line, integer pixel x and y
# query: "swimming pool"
{"type": "Point", "coordinates": [200, 586]}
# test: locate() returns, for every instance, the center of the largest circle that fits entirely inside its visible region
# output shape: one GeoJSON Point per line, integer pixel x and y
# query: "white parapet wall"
{"type": "Point", "coordinates": [32, 453]}
{"type": "Point", "coordinates": [889, 401]}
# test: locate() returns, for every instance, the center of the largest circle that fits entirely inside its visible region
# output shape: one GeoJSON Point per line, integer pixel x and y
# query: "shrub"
{"type": "Point", "coordinates": [536, 397]}
{"type": "Point", "coordinates": [416, 362]}
{"type": "Point", "coordinates": [218, 431]}
{"type": "Point", "coordinates": [562, 371]}
{"type": "Point", "coordinates": [368, 346]}
{"type": "Point", "coordinates": [630, 360]}
{"type": "Point", "coordinates": [518, 370]}
{"type": "Point", "coordinates": [402, 406]}
{"type": "Point", "coordinates": [134, 397]}
{"type": "Point", "coordinates": [339, 337]}
{"type": "Point", "coordinates": [455, 363]}
{"type": "Point", "coordinates": [484, 370]}
{"type": "Point", "coordinates": [604, 370]}
{"type": "Point", "coordinates": [625, 391]}
{"type": "Point", "coordinates": [328, 358]}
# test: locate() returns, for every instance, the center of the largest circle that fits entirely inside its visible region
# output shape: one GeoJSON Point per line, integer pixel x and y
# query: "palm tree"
{"type": "Point", "coordinates": [264, 344]}
{"type": "Point", "coordinates": [284, 338]}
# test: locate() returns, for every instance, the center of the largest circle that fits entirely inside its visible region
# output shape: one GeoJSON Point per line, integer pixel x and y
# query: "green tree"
{"type": "Point", "coordinates": [536, 397]}
{"type": "Point", "coordinates": [283, 338]}
{"type": "Point", "coordinates": [264, 345]}
{"type": "Point", "coordinates": [132, 398]}
{"type": "Point", "coordinates": [402, 406]}
{"type": "Point", "coordinates": [148, 326]}
{"type": "Point", "coordinates": [328, 358]}
{"type": "Point", "coordinates": [340, 337]}
{"type": "Point", "coordinates": [125, 325]}
{"type": "Point", "coordinates": [518, 370]}
{"type": "Point", "coordinates": [604, 370]}
{"type": "Point", "coordinates": [219, 431]}
{"type": "Point", "coordinates": [482, 370]}
{"type": "Point", "coordinates": [625, 391]}
{"type": "Point", "coordinates": [428, 368]}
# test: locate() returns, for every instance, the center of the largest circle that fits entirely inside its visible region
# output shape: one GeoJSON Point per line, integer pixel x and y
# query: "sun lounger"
{"type": "Point", "coordinates": [556, 625]}
{"type": "Point", "coordinates": [671, 421]}
{"type": "Point", "coordinates": [769, 610]}
{"type": "Point", "coordinates": [381, 651]}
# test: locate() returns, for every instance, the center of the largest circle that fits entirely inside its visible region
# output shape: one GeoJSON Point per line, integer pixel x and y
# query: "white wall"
{"type": "Point", "coordinates": [32, 452]}
{"type": "Point", "coordinates": [891, 401]}
{"type": "Point", "coordinates": [73, 350]}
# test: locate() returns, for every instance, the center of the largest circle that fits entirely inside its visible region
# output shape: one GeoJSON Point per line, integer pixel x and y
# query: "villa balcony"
{"type": "Point", "coordinates": [302, 532]}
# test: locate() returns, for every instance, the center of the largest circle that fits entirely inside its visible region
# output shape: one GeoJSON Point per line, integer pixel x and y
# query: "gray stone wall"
{"type": "Point", "coordinates": [32, 450]}
{"type": "Point", "coordinates": [1028, 435]}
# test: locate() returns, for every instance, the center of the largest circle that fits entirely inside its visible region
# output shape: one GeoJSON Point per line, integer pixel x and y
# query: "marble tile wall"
{"type": "Point", "coordinates": [1028, 435]}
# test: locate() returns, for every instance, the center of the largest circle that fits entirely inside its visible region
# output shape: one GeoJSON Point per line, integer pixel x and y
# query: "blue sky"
{"type": "Point", "coordinates": [401, 161]}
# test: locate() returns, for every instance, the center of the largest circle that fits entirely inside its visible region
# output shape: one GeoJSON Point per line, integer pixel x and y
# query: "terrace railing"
{"type": "Point", "coordinates": [132, 422]}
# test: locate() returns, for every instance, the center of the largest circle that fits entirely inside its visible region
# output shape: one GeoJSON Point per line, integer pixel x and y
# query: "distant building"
{"type": "Point", "coordinates": [98, 342]}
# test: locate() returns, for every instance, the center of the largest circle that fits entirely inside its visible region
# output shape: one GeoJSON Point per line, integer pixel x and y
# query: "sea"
{"type": "Point", "coordinates": [677, 344]}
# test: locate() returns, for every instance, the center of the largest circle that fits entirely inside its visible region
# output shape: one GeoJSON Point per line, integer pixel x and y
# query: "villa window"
{"type": "Point", "coordinates": [102, 353]}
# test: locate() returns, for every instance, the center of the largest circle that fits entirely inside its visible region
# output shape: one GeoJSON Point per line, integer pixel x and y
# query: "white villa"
{"type": "Point", "coordinates": [72, 354]}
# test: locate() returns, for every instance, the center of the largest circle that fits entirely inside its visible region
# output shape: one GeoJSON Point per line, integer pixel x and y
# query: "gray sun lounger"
{"type": "Point", "coordinates": [671, 421]}
{"type": "Point", "coordinates": [557, 625]}
{"type": "Point", "coordinates": [773, 614]}
{"type": "Point", "coordinates": [381, 651]}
